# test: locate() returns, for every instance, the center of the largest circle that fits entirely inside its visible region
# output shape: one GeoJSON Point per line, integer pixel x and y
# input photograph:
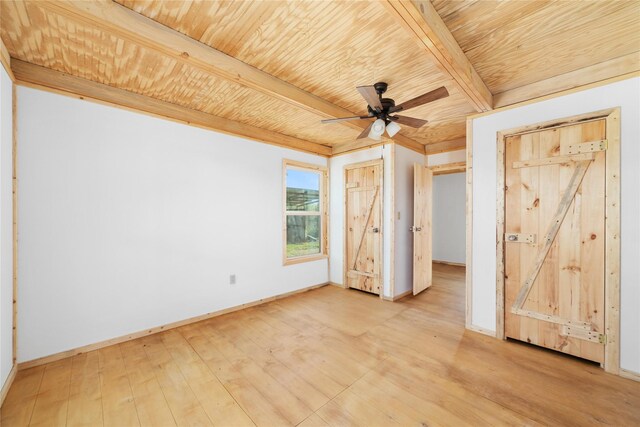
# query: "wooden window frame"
{"type": "Point", "coordinates": [612, 226]}
{"type": "Point", "coordinates": [323, 213]}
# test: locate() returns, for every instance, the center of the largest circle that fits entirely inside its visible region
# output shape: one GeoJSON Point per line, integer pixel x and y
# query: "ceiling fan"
{"type": "Point", "coordinates": [382, 109]}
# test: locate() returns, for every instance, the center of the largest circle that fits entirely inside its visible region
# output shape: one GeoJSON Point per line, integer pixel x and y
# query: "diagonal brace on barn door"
{"type": "Point", "coordinates": [550, 236]}
{"type": "Point", "coordinates": [364, 232]}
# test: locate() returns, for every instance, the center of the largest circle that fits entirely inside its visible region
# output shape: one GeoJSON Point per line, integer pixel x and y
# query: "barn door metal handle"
{"type": "Point", "coordinates": [520, 238]}
{"type": "Point", "coordinates": [376, 230]}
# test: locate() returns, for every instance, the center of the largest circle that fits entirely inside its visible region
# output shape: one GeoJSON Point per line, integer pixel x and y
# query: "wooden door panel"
{"type": "Point", "coordinates": [550, 195]}
{"type": "Point", "coordinates": [569, 287]}
{"type": "Point", "coordinates": [513, 222]}
{"type": "Point", "coordinates": [592, 243]}
{"type": "Point", "coordinates": [422, 237]}
{"type": "Point", "coordinates": [363, 217]}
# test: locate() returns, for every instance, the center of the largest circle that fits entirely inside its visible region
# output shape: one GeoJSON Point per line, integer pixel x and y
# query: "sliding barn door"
{"type": "Point", "coordinates": [363, 190]}
{"type": "Point", "coordinates": [422, 237]}
{"type": "Point", "coordinates": [554, 238]}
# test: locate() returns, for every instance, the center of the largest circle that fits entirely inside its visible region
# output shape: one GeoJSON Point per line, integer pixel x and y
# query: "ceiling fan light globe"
{"type": "Point", "coordinates": [392, 129]}
{"type": "Point", "coordinates": [377, 129]}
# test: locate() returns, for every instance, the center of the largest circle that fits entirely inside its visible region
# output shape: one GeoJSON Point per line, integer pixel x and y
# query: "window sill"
{"type": "Point", "coordinates": [304, 259]}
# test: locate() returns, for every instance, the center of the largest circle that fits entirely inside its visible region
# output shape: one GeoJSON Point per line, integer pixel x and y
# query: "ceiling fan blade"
{"type": "Point", "coordinates": [365, 133]}
{"type": "Point", "coordinates": [434, 95]}
{"type": "Point", "coordinates": [409, 121]}
{"type": "Point", "coordinates": [371, 96]}
{"type": "Point", "coordinates": [343, 119]}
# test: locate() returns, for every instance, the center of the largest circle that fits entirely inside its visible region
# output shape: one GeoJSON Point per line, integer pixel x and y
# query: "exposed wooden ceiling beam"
{"type": "Point", "coordinates": [134, 27]}
{"type": "Point", "coordinates": [82, 88]}
{"type": "Point", "coordinates": [445, 146]}
{"type": "Point", "coordinates": [422, 21]}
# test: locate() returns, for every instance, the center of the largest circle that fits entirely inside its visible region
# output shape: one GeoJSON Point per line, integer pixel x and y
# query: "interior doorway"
{"type": "Point", "coordinates": [439, 223]}
{"type": "Point", "coordinates": [449, 220]}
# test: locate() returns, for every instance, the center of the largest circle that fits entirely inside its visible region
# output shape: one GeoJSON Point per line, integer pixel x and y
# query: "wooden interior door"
{"type": "Point", "coordinates": [554, 238]}
{"type": "Point", "coordinates": [422, 236]}
{"type": "Point", "coordinates": [363, 189]}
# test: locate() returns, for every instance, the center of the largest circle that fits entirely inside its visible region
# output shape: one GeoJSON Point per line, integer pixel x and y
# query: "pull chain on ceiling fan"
{"type": "Point", "coordinates": [382, 109]}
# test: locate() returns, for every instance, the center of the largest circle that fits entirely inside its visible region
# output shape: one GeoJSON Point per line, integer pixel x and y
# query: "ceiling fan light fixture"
{"type": "Point", "coordinates": [383, 108]}
{"type": "Point", "coordinates": [392, 129]}
{"type": "Point", "coordinates": [377, 129]}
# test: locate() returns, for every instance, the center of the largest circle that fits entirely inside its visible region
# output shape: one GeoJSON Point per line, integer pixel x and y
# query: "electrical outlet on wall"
{"type": "Point", "coordinates": [232, 279]}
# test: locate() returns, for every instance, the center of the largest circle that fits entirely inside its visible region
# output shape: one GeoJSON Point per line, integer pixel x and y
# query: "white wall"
{"type": "Point", "coordinates": [336, 211]}
{"type": "Point", "coordinates": [404, 162]}
{"type": "Point", "coordinates": [448, 157]}
{"type": "Point", "coordinates": [129, 222]}
{"type": "Point", "coordinates": [624, 94]}
{"type": "Point", "coordinates": [449, 220]}
{"type": "Point", "coordinates": [6, 226]}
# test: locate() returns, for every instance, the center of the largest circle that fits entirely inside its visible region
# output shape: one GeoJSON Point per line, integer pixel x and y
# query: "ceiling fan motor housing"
{"type": "Point", "coordinates": [380, 87]}
{"type": "Point", "coordinates": [387, 103]}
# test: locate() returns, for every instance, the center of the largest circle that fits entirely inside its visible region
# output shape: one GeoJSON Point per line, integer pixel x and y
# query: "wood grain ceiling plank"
{"type": "Point", "coordinates": [421, 19]}
{"type": "Point", "coordinates": [444, 130]}
{"type": "Point", "coordinates": [473, 25]}
{"type": "Point", "coordinates": [547, 19]}
{"type": "Point", "coordinates": [331, 58]}
{"type": "Point", "coordinates": [316, 46]}
{"type": "Point", "coordinates": [448, 8]}
{"type": "Point", "coordinates": [59, 81]}
{"type": "Point", "coordinates": [556, 39]}
{"type": "Point", "coordinates": [446, 146]}
{"type": "Point", "coordinates": [119, 63]}
{"type": "Point", "coordinates": [620, 66]}
{"type": "Point", "coordinates": [127, 24]}
{"type": "Point", "coordinates": [456, 105]}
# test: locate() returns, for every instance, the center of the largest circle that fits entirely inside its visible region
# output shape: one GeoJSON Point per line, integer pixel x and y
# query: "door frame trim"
{"type": "Point", "coordinates": [612, 225]}
{"type": "Point", "coordinates": [375, 162]}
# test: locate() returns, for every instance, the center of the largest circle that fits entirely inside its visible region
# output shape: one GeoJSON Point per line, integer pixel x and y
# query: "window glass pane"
{"type": "Point", "coordinates": [303, 190]}
{"type": "Point", "coordinates": [303, 235]}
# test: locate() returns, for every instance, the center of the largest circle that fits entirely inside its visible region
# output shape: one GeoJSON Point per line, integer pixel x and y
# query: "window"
{"type": "Point", "coordinates": [305, 212]}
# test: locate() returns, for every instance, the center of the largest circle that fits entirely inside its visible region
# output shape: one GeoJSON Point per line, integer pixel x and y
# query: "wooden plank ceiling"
{"type": "Point", "coordinates": [320, 51]}
{"type": "Point", "coordinates": [516, 44]}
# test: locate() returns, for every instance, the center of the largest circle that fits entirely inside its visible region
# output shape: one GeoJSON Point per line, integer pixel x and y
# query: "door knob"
{"type": "Point", "coordinates": [376, 230]}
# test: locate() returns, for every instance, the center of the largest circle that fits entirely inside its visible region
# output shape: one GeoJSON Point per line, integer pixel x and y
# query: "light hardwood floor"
{"type": "Point", "coordinates": [326, 357]}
